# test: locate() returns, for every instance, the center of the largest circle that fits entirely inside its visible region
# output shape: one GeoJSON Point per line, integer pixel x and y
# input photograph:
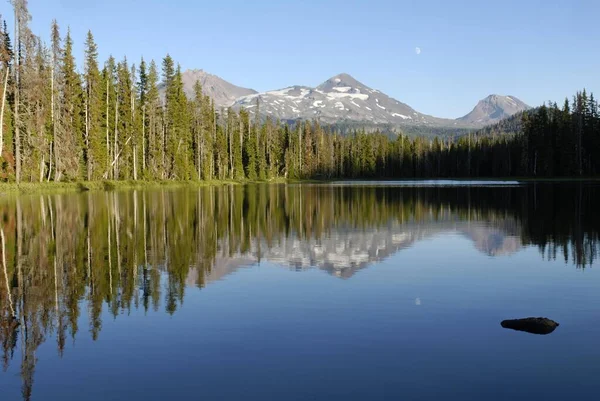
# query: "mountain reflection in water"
{"type": "Point", "coordinates": [140, 249]}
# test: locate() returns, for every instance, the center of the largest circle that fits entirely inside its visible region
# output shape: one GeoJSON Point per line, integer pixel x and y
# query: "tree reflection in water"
{"type": "Point", "coordinates": [140, 249]}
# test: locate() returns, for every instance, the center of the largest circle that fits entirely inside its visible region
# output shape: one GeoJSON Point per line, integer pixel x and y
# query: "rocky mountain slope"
{"type": "Point", "coordinates": [340, 98]}
{"type": "Point", "coordinates": [222, 92]}
{"type": "Point", "coordinates": [493, 109]}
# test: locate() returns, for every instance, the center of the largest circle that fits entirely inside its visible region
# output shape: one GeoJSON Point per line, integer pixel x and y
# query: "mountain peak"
{"type": "Point", "coordinates": [341, 80]}
{"type": "Point", "coordinates": [494, 108]}
{"type": "Point", "coordinates": [498, 98]}
{"type": "Point", "coordinates": [343, 76]}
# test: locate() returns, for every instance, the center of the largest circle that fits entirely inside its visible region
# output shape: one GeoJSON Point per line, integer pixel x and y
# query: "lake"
{"type": "Point", "coordinates": [349, 291]}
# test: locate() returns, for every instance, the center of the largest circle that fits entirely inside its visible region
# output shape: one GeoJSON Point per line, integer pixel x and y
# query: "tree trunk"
{"type": "Point", "coordinates": [54, 130]}
{"type": "Point", "coordinates": [241, 144]}
{"type": "Point", "coordinates": [163, 149]}
{"type": "Point", "coordinates": [198, 158]}
{"type": "Point", "coordinates": [214, 139]}
{"type": "Point", "coordinates": [87, 139]}
{"type": "Point", "coordinates": [230, 135]}
{"type": "Point", "coordinates": [42, 163]}
{"type": "Point", "coordinates": [134, 144]}
{"type": "Point", "coordinates": [107, 129]}
{"type": "Point", "coordinates": [2, 110]}
{"type": "Point", "coordinates": [50, 163]}
{"type": "Point", "coordinates": [143, 139]}
{"type": "Point", "coordinates": [115, 146]}
{"type": "Point", "coordinates": [300, 152]}
{"type": "Point", "coordinates": [17, 100]}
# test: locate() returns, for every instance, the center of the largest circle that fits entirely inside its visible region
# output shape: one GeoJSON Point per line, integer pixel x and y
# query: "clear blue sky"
{"type": "Point", "coordinates": [536, 50]}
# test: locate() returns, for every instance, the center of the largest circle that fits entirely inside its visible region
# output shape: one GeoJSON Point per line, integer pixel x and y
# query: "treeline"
{"type": "Point", "coordinates": [121, 121]}
{"type": "Point", "coordinates": [562, 141]}
{"type": "Point", "coordinates": [510, 125]}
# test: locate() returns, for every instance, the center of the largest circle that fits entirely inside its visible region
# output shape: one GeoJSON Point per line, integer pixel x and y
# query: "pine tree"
{"type": "Point", "coordinates": [95, 151]}
{"type": "Point", "coordinates": [56, 85]}
{"type": "Point", "coordinates": [245, 135]}
{"type": "Point", "coordinates": [221, 146]}
{"type": "Point", "coordinates": [123, 152]}
{"type": "Point", "coordinates": [154, 111]}
{"type": "Point", "coordinates": [136, 123]}
{"type": "Point", "coordinates": [34, 106]}
{"type": "Point", "coordinates": [142, 95]}
{"type": "Point", "coordinates": [261, 150]}
{"type": "Point", "coordinates": [180, 142]}
{"type": "Point", "coordinates": [198, 129]}
{"type": "Point", "coordinates": [109, 114]}
{"type": "Point", "coordinates": [237, 145]}
{"type": "Point", "coordinates": [168, 141]}
{"type": "Point", "coordinates": [210, 118]}
{"type": "Point", "coordinates": [69, 141]}
{"type": "Point", "coordinates": [22, 33]}
{"type": "Point", "coordinates": [251, 147]}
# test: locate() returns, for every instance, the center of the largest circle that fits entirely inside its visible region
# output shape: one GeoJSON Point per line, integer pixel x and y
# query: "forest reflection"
{"type": "Point", "coordinates": [68, 255]}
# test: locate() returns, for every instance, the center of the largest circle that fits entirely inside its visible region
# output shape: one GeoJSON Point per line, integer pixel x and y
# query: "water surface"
{"type": "Point", "coordinates": [301, 292]}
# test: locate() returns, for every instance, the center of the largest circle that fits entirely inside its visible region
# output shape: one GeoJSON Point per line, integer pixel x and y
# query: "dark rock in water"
{"type": "Point", "coordinates": [534, 325]}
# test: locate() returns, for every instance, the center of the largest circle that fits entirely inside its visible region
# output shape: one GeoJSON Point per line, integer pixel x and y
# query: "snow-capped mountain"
{"type": "Point", "coordinates": [493, 109]}
{"type": "Point", "coordinates": [340, 98]}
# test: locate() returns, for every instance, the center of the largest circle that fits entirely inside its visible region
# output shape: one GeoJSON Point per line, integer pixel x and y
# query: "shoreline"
{"type": "Point", "coordinates": [108, 185]}
{"type": "Point", "coordinates": [84, 186]}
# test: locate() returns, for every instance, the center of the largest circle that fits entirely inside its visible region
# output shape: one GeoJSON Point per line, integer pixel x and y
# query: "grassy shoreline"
{"type": "Point", "coordinates": [82, 186]}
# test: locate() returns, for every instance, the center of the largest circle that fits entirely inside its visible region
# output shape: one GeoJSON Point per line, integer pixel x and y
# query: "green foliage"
{"type": "Point", "coordinates": [69, 139]}
{"type": "Point", "coordinates": [95, 151]}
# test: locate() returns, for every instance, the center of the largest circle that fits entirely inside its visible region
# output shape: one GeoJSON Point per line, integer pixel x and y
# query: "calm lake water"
{"type": "Point", "coordinates": [301, 292]}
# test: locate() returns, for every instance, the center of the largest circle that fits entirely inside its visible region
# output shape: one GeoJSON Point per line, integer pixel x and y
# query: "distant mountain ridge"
{"type": "Point", "coordinates": [493, 109]}
{"type": "Point", "coordinates": [340, 98]}
{"type": "Point", "coordinates": [222, 92]}
{"type": "Point", "coordinates": [343, 99]}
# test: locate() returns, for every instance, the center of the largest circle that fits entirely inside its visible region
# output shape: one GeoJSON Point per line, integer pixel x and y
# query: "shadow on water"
{"type": "Point", "coordinates": [65, 255]}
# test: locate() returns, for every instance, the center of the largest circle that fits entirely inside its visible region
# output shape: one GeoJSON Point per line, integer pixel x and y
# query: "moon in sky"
{"type": "Point", "coordinates": [417, 50]}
